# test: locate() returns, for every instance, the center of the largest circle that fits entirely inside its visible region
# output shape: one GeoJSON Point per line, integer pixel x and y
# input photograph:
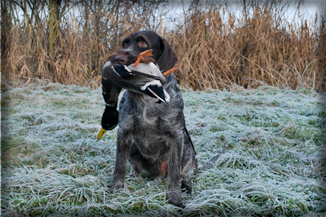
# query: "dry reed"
{"type": "Point", "coordinates": [258, 50]}
{"type": "Point", "coordinates": [261, 49]}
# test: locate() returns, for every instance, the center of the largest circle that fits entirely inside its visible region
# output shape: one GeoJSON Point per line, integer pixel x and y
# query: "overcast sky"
{"type": "Point", "coordinates": [308, 9]}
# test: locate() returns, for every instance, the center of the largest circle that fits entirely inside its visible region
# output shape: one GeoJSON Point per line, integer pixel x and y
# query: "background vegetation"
{"type": "Point", "coordinates": [67, 42]}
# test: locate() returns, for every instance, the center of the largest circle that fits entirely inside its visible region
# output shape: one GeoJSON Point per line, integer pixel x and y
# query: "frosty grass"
{"type": "Point", "coordinates": [258, 154]}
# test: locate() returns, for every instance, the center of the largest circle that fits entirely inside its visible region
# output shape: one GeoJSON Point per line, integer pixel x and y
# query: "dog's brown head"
{"type": "Point", "coordinates": [138, 42]}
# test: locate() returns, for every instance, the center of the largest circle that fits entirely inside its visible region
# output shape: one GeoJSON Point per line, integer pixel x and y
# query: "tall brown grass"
{"type": "Point", "coordinates": [262, 49]}
{"type": "Point", "coordinates": [258, 50]}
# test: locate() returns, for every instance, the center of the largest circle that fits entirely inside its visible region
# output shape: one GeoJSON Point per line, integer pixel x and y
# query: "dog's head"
{"type": "Point", "coordinates": [138, 42]}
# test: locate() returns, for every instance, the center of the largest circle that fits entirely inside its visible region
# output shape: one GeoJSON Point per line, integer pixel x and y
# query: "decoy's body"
{"type": "Point", "coordinates": [143, 76]}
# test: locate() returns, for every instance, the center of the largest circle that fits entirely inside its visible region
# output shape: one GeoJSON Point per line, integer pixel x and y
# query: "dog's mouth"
{"type": "Point", "coordinates": [131, 60]}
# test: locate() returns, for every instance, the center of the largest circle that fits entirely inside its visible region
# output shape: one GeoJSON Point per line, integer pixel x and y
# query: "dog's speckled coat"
{"type": "Point", "coordinates": [151, 135]}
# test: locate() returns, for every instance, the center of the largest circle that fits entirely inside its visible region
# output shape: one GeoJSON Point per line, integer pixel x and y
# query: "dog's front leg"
{"type": "Point", "coordinates": [119, 174]}
{"type": "Point", "coordinates": [173, 195]}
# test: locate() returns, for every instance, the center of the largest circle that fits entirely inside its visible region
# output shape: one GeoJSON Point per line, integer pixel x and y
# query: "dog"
{"type": "Point", "coordinates": [152, 135]}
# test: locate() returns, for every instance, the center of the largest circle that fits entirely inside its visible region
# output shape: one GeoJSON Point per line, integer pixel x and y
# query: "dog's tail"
{"type": "Point", "coordinates": [193, 147]}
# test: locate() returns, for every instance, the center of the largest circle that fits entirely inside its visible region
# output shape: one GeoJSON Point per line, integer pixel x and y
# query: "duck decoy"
{"type": "Point", "coordinates": [143, 76]}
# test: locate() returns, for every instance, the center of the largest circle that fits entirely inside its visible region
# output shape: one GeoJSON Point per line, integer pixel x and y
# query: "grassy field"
{"type": "Point", "coordinates": [258, 154]}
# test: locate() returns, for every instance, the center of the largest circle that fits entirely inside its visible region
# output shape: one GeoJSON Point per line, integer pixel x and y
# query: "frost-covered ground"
{"type": "Point", "coordinates": [258, 153]}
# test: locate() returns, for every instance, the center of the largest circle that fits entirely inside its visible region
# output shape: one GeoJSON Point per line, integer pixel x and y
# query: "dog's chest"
{"type": "Point", "coordinates": [151, 115]}
{"type": "Point", "coordinates": [152, 119]}
{"type": "Point", "coordinates": [152, 127]}
{"type": "Point", "coordinates": [146, 117]}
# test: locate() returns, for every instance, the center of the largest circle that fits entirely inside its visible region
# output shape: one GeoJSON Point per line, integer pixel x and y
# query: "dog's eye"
{"type": "Point", "coordinates": [124, 44]}
{"type": "Point", "coordinates": [142, 44]}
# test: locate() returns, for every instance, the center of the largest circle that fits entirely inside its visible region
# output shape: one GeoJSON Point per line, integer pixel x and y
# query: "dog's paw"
{"type": "Point", "coordinates": [175, 199]}
{"type": "Point", "coordinates": [115, 186]}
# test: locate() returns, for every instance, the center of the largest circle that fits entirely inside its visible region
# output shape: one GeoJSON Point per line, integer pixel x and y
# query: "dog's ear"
{"type": "Point", "coordinates": [168, 58]}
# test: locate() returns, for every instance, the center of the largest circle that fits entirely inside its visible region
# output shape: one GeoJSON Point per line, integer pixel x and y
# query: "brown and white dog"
{"type": "Point", "coordinates": [151, 135]}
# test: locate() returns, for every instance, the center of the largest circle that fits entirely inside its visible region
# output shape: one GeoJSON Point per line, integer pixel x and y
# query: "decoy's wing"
{"type": "Point", "coordinates": [149, 70]}
{"type": "Point", "coordinates": [134, 82]}
{"type": "Point", "coordinates": [126, 72]}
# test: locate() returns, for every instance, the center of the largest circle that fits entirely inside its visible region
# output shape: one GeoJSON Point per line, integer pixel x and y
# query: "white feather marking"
{"type": "Point", "coordinates": [167, 96]}
{"type": "Point", "coordinates": [158, 83]}
{"type": "Point", "coordinates": [129, 70]}
{"type": "Point", "coordinates": [154, 82]}
{"type": "Point", "coordinates": [150, 90]}
{"type": "Point", "coordinates": [108, 63]}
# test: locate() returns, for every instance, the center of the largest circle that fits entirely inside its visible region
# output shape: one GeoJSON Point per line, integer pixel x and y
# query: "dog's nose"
{"type": "Point", "coordinates": [121, 59]}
